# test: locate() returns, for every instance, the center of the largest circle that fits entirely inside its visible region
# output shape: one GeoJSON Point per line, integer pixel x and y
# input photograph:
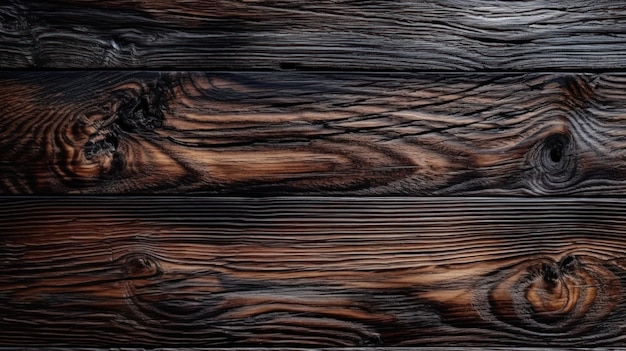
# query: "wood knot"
{"type": "Point", "coordinates": [100, 143]}
{"type": "Point", "coordinates": [554, 163]}
{"type": "Point", "coordinates": [140, 266]}
{"type": "Point", "coordinates": [102, 148]}
{"type": "Point", "coordinates": [556, 151]}
{"type": "Point", "coordinates": [555, 295]}
{"type": "Point", "coordinates": [143, 112]}
{"type": "Point", "coordinates": [554, 298]}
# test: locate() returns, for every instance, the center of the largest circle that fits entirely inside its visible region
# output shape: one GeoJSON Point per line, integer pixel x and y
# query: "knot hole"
{"type": "Point", "coordinates": [141, 266]}
{"type": "Point", "coordinates": [555, 162]}
{"type": "Point", "coordinates": [557, 147]}
{"type": "Point", "coordinates": [556, 153]}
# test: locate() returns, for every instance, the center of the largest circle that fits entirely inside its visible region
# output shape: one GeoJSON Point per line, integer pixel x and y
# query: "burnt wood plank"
{"type": "Point", "coordinates": [260, 133]}
{"type": "Point", "coordinates": [312, 272]}
{"type": "Point", "coordinates": [328, 34]}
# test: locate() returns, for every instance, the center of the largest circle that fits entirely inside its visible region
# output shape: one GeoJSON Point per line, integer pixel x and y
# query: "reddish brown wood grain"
{"type": "Point", "coordinates": [311, 272]}
{"type": "Point", "coordinates": [318, 134]}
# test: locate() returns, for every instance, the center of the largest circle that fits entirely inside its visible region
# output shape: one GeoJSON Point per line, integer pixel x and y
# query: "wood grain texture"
{"type": "Point", "coordinates": [311, 272]}
{"type": "Point", "coordinates": [312, 133]}
{"type": "Point", "coordinates": [329, 34]}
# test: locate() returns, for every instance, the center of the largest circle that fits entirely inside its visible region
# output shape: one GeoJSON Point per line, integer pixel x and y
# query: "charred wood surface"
{"type": "Point", "coordinates": [282, 34]}
{"type": "Point", "coordinates": [311, 272]}
{"type": "Point", "coordinates": [312, 133]}
{"type": "Point", "coordinates": [229, 104]}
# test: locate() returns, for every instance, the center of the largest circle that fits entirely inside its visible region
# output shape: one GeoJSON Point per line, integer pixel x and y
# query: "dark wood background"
{"type": "Point", "coordinates": [312, 174]}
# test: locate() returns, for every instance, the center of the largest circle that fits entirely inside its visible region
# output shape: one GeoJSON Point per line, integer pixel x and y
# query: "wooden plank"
{"type": "Point", "coordinates": [367, 348]}
{"type": "Point", "coordinates": [328, 34]}
{"type": "Point", "coordinates": [312, 272]}
{"type": "Point", "coordinates": [261, 133]}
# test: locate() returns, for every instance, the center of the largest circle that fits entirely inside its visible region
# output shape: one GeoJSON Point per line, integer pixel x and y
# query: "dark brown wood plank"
{"type": "Point", "coordinates": [312, 272]}
{"type": "Point", "coordinates": [312, 133]}
{"type": "Point", "coordinates": [328, 34]}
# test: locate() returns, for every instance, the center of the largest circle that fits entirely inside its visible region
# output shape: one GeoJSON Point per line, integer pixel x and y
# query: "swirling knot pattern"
{"type": "Point", "coordinates": [554, 164]}
{"type": "Point", "coordinates": [543, 297]}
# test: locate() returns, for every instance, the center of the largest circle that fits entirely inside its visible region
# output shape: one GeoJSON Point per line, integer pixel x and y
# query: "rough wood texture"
{"type": "Point", "coordinates": [323, 133]}
{"type": "Point", "coordinates": [312, 272]}
{"type": "Point", "coordinates": [319, 272]}
{"type": "Point", "coordinates": [328, 34]}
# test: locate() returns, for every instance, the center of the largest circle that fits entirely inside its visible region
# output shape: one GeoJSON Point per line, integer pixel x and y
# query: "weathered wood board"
{"type": "Point", "coordinates": [318, 272]}
{"type": "Point", "coordinates": [198, 159]}
{"type": "Point", "coordinates": [328, 34]}
{"type": "Point", "coordinates": [255, 134]}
